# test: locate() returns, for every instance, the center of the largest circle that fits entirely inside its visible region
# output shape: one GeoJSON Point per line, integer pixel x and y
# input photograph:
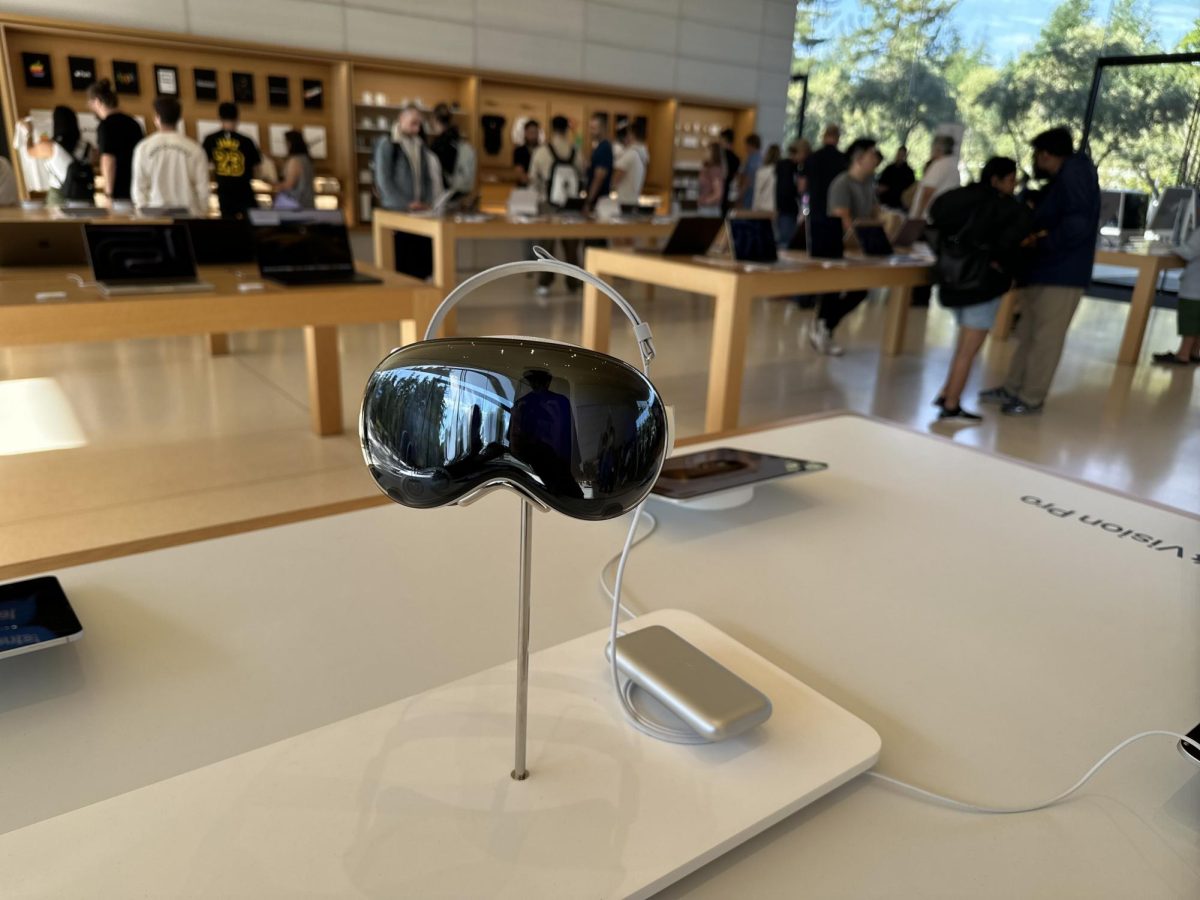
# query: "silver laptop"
{"type": "Point", "coordinates": [142, 259]}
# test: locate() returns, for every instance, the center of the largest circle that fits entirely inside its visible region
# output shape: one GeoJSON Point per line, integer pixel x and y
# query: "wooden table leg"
{"type": "Point", "coordinates": [1002, 327]}
{"type": "Point", "coordinates": [324, 379]}
{"type": "Point", "coordinates": [1140, 304]}
{"type": "Point", "coordinates": [597, 318]}
{"type": "Point", "coordinates": [727, 360]}
{"type": "Point", "coordinates": [385, 247]}
{"type": "Point", "coordinates": [445, 274]}
{"type": "Point", "coordinates": [899, 299]}
{"type": "Point", "coordinates": [218, 344]}
{"type": "Point", "coordinates": [408, 332]}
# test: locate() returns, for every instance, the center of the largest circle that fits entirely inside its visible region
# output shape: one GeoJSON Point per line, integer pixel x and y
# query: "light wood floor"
{"type": "Point", "coordinates": [177, 440]}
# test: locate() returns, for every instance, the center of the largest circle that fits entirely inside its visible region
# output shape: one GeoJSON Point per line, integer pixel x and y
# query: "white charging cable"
{"type": "Point", "coordinates": [664, 733]}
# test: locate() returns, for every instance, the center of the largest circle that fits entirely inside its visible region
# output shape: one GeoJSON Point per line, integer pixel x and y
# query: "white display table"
{"type": "Point", "coordinates": [998, 647]}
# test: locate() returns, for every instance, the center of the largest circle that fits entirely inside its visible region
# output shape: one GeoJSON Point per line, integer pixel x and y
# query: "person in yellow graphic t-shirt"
{"type": "Point", "coordinates": [235, 160]}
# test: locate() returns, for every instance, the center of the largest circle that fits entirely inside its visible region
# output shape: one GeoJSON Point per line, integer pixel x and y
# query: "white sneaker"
{"type": "Point", "coordinates": [833, 348]}
{"type": "Point", "coordinates": [543, 290]}
{"type": "Point", "coordinates": [822, 341]}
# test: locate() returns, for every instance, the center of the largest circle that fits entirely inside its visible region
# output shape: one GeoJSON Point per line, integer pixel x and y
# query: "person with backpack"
{"type": "Point", "coordinates": [454, 153]}
{"type": "Point", "coordinates": [556, 174]}
{"type": "Point", "coordinates": [116, 136]}
{"type": "Point", "coordinates": [67, 158]}
{"type": "Point", "coordinates": [977, 232]}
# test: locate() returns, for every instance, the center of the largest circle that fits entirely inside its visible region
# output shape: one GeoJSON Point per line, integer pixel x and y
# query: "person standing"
{"type": "Point", "coordinates": [765, 181]}
{"type": "Point", "coordinates": [116, 137]}
{"type": "Point", "coordinates": [295, 189]}
{"type": "Point", "coordinates": [940, 176]}
{"type": "Point", "coordinates": [825, 164]}
{"type": "Point", "coordinates": [67, 159]}
{"type": "Point", "coordinates": [235, 160]}
{"type": "Point", "coordinates": [712, 182]}
{"type": "Point", "coordinates": [851, 199]}
{"type": "Point", "coordinates": [455, 154]}
{"type": "Point", "coordinates": [733, 165]}
{"type": "Point", "coordinates": [1065, 224]}
{"type": "Point", "coordinates": [977, 232]}
{"type": "Point", "coordinates": [1187, 316]}
{"type": "Point", "coordinates": [407, 173]}
{"type": "Point", "coordinates": [749, 173]}
{"type": "Point", "coordinates": [169, 168]}
{"type": "Point", "coordinates": [629, 170]}
{"type": "Point", "coordinates": [523, 155]}
{"type": "Point", "coordinates": [894, 180]}
{"type": "Point", "coordinates": [555, 173]}
{"type": "Point", "coordinates": [789, 173]}
{"type": "Point", "coordinates": [600, 165]}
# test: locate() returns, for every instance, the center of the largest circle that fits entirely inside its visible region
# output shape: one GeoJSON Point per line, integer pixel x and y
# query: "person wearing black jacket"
{"type": "Point", "coordinates": [977, 232]}
{"type": "Point", "coordinates": [825, 164]}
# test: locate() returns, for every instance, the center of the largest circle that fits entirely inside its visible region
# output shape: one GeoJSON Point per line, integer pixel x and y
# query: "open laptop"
{"type": "Point", "coordinates": [752, 240]}
{"type": "Point", "coordinates": [42, 244]}
{"type": "Point", "coordinates": [873, 240]}
{"type": "Point", "coordinates": [220, 242]}
{"type": "Point", "coordinates": [910, 232]}
{"type": "Point", "coordinates": [142, 259]}
{"type": "Point", "coordinates": [826, 238]}
{"type": "Point", "coordinates": [799, 241]}
{"type": "Point", "coordinates": [304, 247]}
{"type": "Point", "coordinates": [691, 236]}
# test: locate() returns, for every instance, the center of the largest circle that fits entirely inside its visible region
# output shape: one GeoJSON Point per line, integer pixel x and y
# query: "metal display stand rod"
{"type": "Point", "coordinates": [524, 576]}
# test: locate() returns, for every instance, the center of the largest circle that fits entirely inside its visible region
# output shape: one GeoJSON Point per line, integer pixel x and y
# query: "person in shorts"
{"type": "Point", "coordinates": [1188, 314]}
{"type": "Point", "coordinates": [977, 232]}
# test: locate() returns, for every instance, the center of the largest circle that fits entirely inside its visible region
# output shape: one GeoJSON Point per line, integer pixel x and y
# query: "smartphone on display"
{"type": "Point", "coordinates": [35, 614]}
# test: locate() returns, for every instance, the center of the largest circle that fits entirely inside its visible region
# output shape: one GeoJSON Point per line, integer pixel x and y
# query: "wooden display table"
{"type": "Point", "coordinates": [734, 288]}
{"type": "Point", "coordinates": [85, 315]}
{"type": "Point", "coordinates": [447, 231]}
{"type": "Point", "coordinates": [1149, 267]}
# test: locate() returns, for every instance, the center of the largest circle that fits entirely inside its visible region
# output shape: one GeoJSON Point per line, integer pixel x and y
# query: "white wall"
{"type": "Point", "coordinates": [739, 50]}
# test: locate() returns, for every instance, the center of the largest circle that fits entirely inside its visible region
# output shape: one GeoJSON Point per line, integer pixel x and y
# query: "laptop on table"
{"type": "Point", "coordinates": [873, 240]}
{"type": "Point", "coordinates": [691, 236]}
{"type": "Point", "coordinates": [220, 242]}
{"type": "Point", "coordinates": [142, 259]}
{"type": "Point", "coordinates": [42, 244]}
{"type": "Point", "coordinates": [304, 247]}
{"type": "Point", "coordinates": [752, 240]}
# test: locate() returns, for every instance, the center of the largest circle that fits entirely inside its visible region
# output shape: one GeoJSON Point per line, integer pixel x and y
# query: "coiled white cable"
{"type": "Point", "coordinates": [625, 693]}
{"type": "Point", "coordinates": [656, 730]}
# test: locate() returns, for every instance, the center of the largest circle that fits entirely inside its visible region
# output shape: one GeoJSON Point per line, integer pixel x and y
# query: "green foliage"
{"type": "Point", "coordinates": [900, 69]}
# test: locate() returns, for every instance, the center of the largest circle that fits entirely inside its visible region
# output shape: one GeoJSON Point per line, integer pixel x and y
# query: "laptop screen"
{"type": "Point", "coordinates": [873, 240]}
{"type": "Point", "coordinates": [693, 235]}
{"type": "Point", "coordinates": [147, 253]}
{"type": "Point", "coordinates": [220, 242]}
{"type": "Point", "coordinates": [753, 240]}
{"type": "Point", "coordinates": [310, 242]}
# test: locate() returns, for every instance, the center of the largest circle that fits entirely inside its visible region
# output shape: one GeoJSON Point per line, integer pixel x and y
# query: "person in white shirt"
{"type": "Point", "coordinates": [940, 176]}
{"type": "Point", "coordinates": [8, 184]}
{"type": "Point", "coordinates": [765, 181]}
{"type": "Point", "coordinates": [169, 168]}
{"type": "Point", "coordinates": [558, 160]}
{"type": "Point", "coordinates": [629, 170]}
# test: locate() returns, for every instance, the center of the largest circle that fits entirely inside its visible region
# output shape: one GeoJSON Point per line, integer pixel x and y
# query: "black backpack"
{"type": "Point", "coordinates": [80, 183]}
{"type": "Point", "coordinates": [964, 264]}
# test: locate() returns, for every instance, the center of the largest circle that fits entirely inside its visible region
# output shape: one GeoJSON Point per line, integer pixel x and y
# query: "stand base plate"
{"type": "Point", "coordinates": [414, 799]}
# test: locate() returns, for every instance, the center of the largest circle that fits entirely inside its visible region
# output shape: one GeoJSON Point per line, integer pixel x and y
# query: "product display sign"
{"type": "Point", "coordinates": [314, 93]}
{"type": "Point", "coordinates": [38, 73]}
{"type": "Point", "coordinates": [166, 81]}
{"type": "Point", "coordinates": [243, 87]}
{"type": "Point", "coordinates": [206, 84]}
{"type": "Point", "coordinates": [83, 72]}
{"type": "Point", "coordinates": [278, 91]}
{"type": "Point", "coordinates": [125, 77]}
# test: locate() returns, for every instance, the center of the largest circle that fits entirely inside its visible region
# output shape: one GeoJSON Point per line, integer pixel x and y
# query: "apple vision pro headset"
{"type": "Point", "coordinates": [445, 421]}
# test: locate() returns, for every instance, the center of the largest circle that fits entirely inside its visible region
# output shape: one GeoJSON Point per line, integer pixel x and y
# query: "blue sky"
{"type": "Point", "coordinates": [1006, 27]}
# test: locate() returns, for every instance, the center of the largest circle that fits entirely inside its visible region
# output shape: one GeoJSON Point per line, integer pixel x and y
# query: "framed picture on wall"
{"type": "Point", "coordinates": [166, 81]}
{"type": "Point", "coordinates": [278, 91]}
{"type": "Point", "coordinates": [83, 72]}
{"type": "Point", "coordinates": [125, 77]}
{"type": "Point", "coordinates": [206, 84]}
{"type": "Point", "coordinates": [243, 87]}
{"type": "Point", "coordinates": [314, 93]}
{"type": "Point", "coordinates": [38, 73]}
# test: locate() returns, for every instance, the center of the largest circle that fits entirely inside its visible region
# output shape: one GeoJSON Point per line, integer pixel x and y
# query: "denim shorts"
{"type": "Point", "coordinates": [980, 316]}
